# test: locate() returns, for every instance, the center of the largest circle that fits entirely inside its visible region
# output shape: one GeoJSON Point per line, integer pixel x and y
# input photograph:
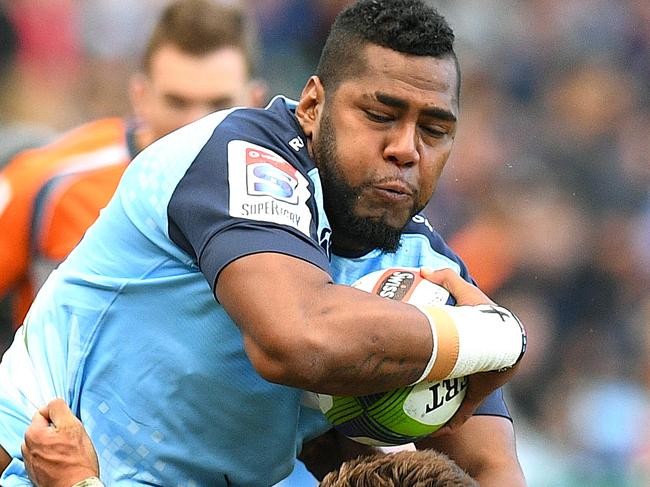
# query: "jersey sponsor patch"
{"type": "Point", "coordinates": [265, 187]}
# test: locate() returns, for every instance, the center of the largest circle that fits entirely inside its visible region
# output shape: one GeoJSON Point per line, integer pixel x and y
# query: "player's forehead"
{"type": "Point", "coordinates": [423, 81]}
{"type": "Point", "coordinates": [219, 72]}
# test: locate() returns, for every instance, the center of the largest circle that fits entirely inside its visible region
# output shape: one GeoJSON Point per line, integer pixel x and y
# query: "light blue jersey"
{"type": "Point", "coordinates": [128, 331]}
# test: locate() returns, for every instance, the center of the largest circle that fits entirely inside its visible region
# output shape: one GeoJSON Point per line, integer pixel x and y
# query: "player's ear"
{"type": "Point", "coordinates": [257, 93]}
{"type": "Point", "coordinates": [310, 106]}
{"type": "Point", "coordinates": [137, 93]}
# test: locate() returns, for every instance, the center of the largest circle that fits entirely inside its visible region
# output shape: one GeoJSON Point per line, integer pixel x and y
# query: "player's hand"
{"type": "Point", "coordinates": [463, 292]}
{"type": "Point", "coordinates": [57, 450]}
{"type": "Point", "coordinates": [327, 452]}
{"type": "Point", "coordinates": [480, 385]}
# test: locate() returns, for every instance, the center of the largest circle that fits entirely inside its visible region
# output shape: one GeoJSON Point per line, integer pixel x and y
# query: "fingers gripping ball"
{"type": "Point", "coordinates": [402, 415]}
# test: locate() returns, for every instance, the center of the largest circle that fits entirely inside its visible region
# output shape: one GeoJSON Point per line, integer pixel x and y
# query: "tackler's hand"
{"type": "Point", "coordinates": [57, 450]}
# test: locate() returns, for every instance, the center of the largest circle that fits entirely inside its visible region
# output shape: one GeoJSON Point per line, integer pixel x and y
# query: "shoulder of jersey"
{"type": "Point", "coordinates": [420, 225]}
{"type": "Point", "coordinates": [86, 138]}
{"type": "Point", "coordinates": [273, 127]}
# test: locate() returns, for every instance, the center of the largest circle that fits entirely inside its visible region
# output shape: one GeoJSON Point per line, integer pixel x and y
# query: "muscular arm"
{"type": "Point", "coordinates": [302, 330]}
{"type": "Point", "coordinates": [484, 447]}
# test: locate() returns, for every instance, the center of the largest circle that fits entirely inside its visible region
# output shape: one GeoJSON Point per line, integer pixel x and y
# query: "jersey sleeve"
{"type": "Point", "coordinates": [494, 405]}
{"type": "Point", "coordinates": [245, 195]}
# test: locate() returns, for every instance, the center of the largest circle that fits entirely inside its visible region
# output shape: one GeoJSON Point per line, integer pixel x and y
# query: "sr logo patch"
{"type": "Point", "coordinates": [264, 178]}
{"type": "Point", "coordinates": [265, 187]}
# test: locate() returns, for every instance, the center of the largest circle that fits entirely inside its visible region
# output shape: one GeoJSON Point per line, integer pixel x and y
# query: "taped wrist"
{"type": "Point", "coordinates": [471, 339]}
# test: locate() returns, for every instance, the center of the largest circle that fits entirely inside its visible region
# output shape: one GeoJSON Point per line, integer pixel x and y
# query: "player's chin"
{"type": "Point", "coordinates": [396, 220]}
{"type": "Point", "coordinates": [394, 216]}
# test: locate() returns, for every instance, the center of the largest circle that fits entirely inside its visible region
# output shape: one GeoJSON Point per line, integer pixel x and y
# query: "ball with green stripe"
{"type": "Point", "coordinates": [396, 417]}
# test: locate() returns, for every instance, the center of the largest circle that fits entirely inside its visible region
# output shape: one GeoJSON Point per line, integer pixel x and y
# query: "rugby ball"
{"type": "Point", "coordinates": [409, 413]}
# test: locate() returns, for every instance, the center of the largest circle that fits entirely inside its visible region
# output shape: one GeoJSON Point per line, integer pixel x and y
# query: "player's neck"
{"type": "Point", "coordinates": [143, 138]}
{"type": "Point", "coordinates": [345, 246]}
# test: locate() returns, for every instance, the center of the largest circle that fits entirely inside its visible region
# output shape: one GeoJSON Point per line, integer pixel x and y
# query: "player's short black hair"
{"type": "Point", "coordinates": [407, 26]}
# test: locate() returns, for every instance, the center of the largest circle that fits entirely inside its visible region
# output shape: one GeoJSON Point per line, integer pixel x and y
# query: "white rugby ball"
{"type": "Point", "coordinates": [406, 414]}
{"type": "Point", "coordinates": [403, 284]}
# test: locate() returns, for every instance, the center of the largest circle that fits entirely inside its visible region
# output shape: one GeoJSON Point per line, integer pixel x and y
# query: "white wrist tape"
{"type": "Point", "coordinates": [471, 339]}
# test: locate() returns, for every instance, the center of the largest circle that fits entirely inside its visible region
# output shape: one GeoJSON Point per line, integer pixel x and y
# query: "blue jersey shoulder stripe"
{"type": "Point", "coordinates": [253, 173]}
{"type": "Point", "coordinates": [419, 224]}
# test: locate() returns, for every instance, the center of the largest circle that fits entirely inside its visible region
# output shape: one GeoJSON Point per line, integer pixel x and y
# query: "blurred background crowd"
{"type": "Point", "coordinates": [546, 195]}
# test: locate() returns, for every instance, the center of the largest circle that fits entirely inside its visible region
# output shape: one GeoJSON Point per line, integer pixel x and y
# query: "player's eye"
{"type": "Point", "coordinates": [177, 102]}
{"type": "Point", "coordinates": [377, 117]}
{"type": "Point", "coordinates": [434, 131]}
{"type": "Point", "coordinates": [221, 103]}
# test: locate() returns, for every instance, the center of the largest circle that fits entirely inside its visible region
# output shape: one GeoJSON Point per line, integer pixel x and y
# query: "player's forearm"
{"type": "Point", "coordinates": [496, 470]}
{"type": "Point", "coordinates": [315, 335]}
{"type": "Point", "coordinates": [352, 343]}
{"type": "Point", "coordinates": [369, 344]}
{"type": "Point", "coordinates": [303, 331]}
{"type": "Point", "coordinates": [337, 349]}
{"type": "Point", "coordinates": [485, 448]}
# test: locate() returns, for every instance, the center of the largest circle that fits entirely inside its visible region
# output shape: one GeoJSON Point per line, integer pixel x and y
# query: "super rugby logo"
{"type": "Point", "coordinates": [265, 187]}
{"type": "Point", "coordinates": [397, 285]}
{"type": "Point", "coordinates": [267, 174]}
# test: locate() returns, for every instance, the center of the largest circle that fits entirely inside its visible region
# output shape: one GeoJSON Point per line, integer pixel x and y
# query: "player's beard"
{"type": "Point", "coordinates": [340, 199]}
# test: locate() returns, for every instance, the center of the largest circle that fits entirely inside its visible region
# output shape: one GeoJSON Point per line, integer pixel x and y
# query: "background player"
{"type": "Point", "coordinates": [198, 59]}
{"type": "Point", "coordinates": [402, 469]}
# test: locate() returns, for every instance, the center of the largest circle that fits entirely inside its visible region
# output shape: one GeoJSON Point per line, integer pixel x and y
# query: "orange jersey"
{"type": "Point", "coordinates": [487, 249]}
{"type": "Point", "coordinates": [48, 198]}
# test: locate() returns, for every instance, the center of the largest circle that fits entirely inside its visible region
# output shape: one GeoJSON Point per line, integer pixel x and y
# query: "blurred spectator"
{"type": "Point", "coordinates": [196, 62]}
{"type": "Point", "coordinates": [48, 61]}
{"type": "Point", "coordinates": [548, 199]}
{"type": "Point", "coordinates": [14, 137]}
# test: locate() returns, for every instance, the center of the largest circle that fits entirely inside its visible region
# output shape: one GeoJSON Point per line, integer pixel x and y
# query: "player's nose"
{"type": "Point", "coordinates": [402, 145]}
